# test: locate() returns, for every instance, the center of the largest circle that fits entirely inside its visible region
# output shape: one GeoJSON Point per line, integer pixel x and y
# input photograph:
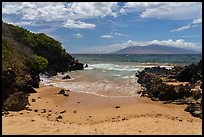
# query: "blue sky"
{"type": "Point", "coordinates": [104, 27]}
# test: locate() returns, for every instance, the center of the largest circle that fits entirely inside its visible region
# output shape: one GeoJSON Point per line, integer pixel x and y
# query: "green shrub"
{"type": "Point", "coordinates": [39, 63]}
{"type": "Point", "coordinates": [6, 55]}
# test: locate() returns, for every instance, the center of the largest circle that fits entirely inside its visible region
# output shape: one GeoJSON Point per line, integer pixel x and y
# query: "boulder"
{"type": "Point", "coordinates": [63, 111]}
{"type": "Point", "coordinates": [59, 117]}
{"type": "Point", "coordinates": [66, 77]}
{"type": "Point", "coordinates": [192, 107]}
{"type": "Point", "coordinates": [197, 114]}
{"type": "Point", "coordinates": [66, 95]}
{"type": "Point", "coordinates": [195, 109]}
{"type": "Point", "coordinates": [35, 81]}
{"type": "Point", "coordinates": [16, 102]}
{"type": "Point", "coordinates": [78, 66]}
{"type": "Point", "coordinates": [61, 91]}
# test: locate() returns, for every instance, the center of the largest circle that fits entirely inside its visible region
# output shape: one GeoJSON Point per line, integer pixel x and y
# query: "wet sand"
{"type": "Point", "coordinates": [82, 113]}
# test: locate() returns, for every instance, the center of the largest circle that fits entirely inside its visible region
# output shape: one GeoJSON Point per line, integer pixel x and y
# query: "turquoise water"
{"type": "Point", "coordinates": [114, 75]}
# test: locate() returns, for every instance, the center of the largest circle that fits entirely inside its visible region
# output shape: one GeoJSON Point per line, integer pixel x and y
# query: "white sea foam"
{"type": "Point", "coordinates": [102, 79]}
{"type": "Point", "coordinates": [112, 67]}
{"type": "Point", "coordinates": [116, 67]}
{"type": "Point", "coordinates": [104, 87]}
{"type": "Point", "coordinates": [116, 75]}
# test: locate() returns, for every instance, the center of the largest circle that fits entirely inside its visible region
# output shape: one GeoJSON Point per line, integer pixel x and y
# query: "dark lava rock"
{"type": "Point", "coordinates": [44, 111]}
{"type": "Point", "coordinates": [5, 113]}
{"type": "Point", "coordinates": [197, 114]}
{"type": "Point", "coordinates": [191, 73]}
{"type": "Point", "coordinates": [16, 102]}
{"type": "Point", "coordinates": [61, 91]}
{"type": "Point", "coordinates": [86, 66]}
{"type": "Point", "coordinates": [181, 101]}
{"type": "Point", "coordinates": [117, 106]}
{"type": "Point", "coordinates": [66, 77]}
{"type": "Point", "coordinates": [157, 86]}
{"type": "Point", "coordinates": [36, 110]}
{"type": "Point", "coordinates": [29, 109]}
{"type": "Point", "coordinates": [78, 66]}
{"type": "Point", "coordinates": [59, 117]}
{"type": "Point", "coordinates": [35, 81]}
{"type": "Point", "coordinates": [63, 111]}
{"type": "Point", "coordinates": [154, 99]}
{"type": "Point", "coordinates": [195, 109]}
{"type": "Point", "coordinates": [66, 95]}
{"type": "Point", "coordinates": [27, 89]}
{"type": "Point", "coordinates": [50, 72]}
{"type": "Point", "coordinates": [192, 107]}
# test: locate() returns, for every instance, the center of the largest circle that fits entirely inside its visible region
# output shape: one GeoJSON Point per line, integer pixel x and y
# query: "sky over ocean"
{"type": "Point", "coordinates": [103, 27]}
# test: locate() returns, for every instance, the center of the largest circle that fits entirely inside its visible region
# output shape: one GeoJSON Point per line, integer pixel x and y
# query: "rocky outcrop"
{"type": "Point", "coordinates": [191, 73]}
{"type": "Point", "coordinates": [177, 85]}
{"type": "Point", "coordinates": [27, 89]}
{"type": "Point", "coordinates": [35, 80]}
{"type": "Point", "coordinates": [75, 65]}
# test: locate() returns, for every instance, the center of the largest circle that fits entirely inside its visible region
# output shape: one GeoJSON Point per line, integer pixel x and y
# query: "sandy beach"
{"type": "Point", "coordinates": [117, 68]}
{"type": "Point", "coordinates": [81, 113]}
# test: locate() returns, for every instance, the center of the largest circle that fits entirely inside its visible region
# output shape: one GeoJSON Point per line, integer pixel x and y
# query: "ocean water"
{"type": "Point", "coordinates": [114, 75]}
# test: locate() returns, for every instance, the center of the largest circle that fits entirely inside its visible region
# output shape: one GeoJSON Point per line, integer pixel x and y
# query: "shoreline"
{"type": "Point", "coordinates": [82, 113]}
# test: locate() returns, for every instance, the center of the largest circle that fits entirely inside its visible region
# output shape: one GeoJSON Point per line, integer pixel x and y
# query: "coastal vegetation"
{"type": "Point", "coordinates": [24, 56]}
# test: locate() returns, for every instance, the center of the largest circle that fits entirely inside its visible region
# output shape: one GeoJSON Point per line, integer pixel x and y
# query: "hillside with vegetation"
{"type": "Point", "coordinates": [24, 56]}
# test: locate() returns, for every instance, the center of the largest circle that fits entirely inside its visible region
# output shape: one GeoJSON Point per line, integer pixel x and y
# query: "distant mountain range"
{"type": "Point", "coordinates": [155, 49]}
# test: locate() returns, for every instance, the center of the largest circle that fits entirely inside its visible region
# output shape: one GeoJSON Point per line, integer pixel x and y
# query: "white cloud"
{"type": "Point", "coordinates": [178, 43]}
{"type": "Point", "coordinates": [181, 28]}
{"type": "Point", "coordinates": [60, 11]}
{"type": "Point", "coordinates": [112, 35]}
{"type": "Point", "coordinates": [46, 11]}
{"type": "Point", "coordinates": [194, 23]}
{"type": "Point", "coordinates": [78, 35]}
{"type": "Point", "coordinates": [117, 46]}
{"type": "Point", "coordinates": [25, 23]}
{"type": "Point", "coordinates": [78, 25]}
{"type": "Point", "coordinates": [166, 10]}
{"type": "Point", "coordinates": [118, 34]}
{"type": "Point", "coordinates": [93, 9]}
{"type": "Point", "coordinates": [11, 7]}
{"type": "Point", "coordinates": [107, 36]}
